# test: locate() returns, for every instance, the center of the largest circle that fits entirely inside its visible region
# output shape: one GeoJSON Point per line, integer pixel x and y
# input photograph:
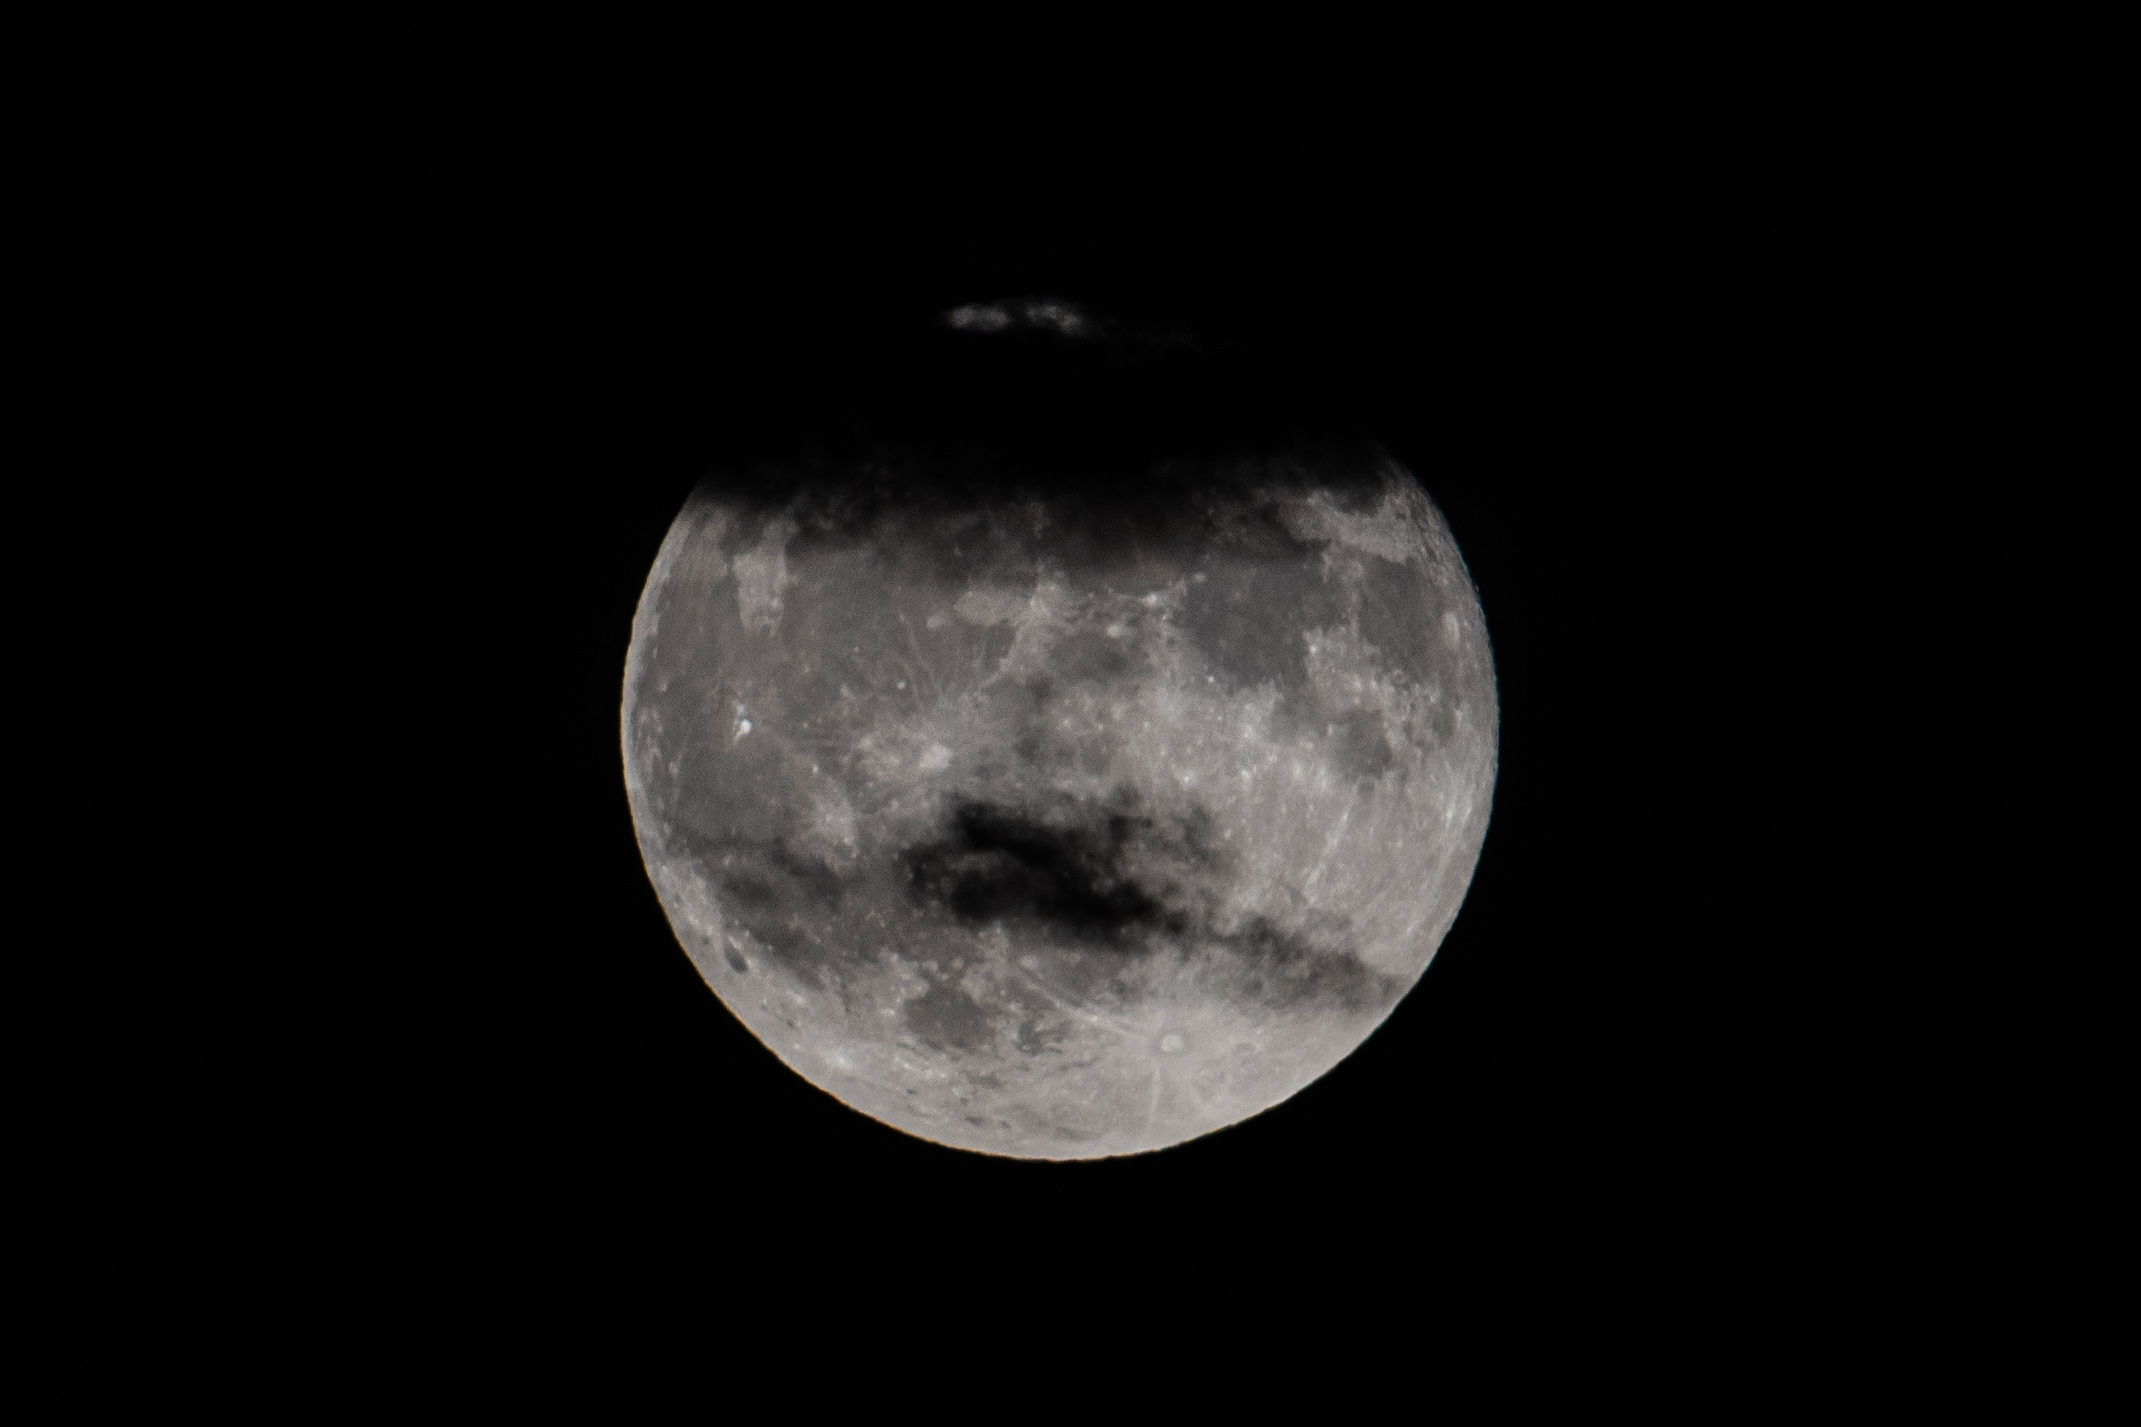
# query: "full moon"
{"type": "Point", "coordinates": [1077, 775]}
{"type": "Point", "coordinates": [1059, 824]}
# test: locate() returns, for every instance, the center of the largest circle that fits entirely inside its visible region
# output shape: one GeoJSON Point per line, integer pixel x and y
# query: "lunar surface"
{"type": "Point", "coordinates": [1054, 826]}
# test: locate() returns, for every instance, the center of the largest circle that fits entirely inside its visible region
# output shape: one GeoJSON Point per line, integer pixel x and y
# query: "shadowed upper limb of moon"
{"type": "Point", "coordinates": [1054, 827]}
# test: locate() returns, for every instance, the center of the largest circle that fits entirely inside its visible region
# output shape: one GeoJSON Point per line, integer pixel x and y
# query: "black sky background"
{"type": "Point", "coordinates": [1622, 383]}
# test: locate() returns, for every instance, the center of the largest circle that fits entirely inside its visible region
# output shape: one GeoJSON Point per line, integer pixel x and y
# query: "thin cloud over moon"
{"type": "Point", "coordinates": [1044, 313]}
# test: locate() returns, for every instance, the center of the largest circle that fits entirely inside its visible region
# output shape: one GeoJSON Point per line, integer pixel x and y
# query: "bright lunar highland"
{"type": "Point", "coordinates": [1059, 832]}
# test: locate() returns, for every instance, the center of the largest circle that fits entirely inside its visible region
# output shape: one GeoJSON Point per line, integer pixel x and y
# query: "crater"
{"type": "Point", "coordinates": [1039, 1037]}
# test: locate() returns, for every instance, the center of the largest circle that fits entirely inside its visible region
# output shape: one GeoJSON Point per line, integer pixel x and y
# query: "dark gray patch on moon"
{"type": "Point", "coordinates": [1052, 828]}
{"type": "Point", "coordinates": [946, 1017]}
{"type": "Point", "coordinates": [1360, 743]}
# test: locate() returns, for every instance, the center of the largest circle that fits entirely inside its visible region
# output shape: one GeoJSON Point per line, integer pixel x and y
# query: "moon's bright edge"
{"type": "Point", "coordinates": [1033, 833]}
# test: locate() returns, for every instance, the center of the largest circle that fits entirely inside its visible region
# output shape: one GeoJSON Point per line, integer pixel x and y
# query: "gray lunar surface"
{"type": "Point", "coordinates": [1056, 832]}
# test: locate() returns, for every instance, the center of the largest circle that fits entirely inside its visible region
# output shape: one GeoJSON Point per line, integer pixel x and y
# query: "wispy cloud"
{"type": "Point", "coordinates": [1045, 312]}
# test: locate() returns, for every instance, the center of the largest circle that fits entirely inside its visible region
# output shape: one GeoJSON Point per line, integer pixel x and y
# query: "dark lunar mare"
{"type": "Point", "coordinates": [1085, 872]}
{"type": "Point", "coordinates": [1004, 862]}
{"type": "Point", "coordinates": [1106, 878]}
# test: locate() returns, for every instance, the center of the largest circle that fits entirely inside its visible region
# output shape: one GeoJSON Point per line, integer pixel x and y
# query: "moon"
{"type": "Point", "coordinates": [1057, 825]}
